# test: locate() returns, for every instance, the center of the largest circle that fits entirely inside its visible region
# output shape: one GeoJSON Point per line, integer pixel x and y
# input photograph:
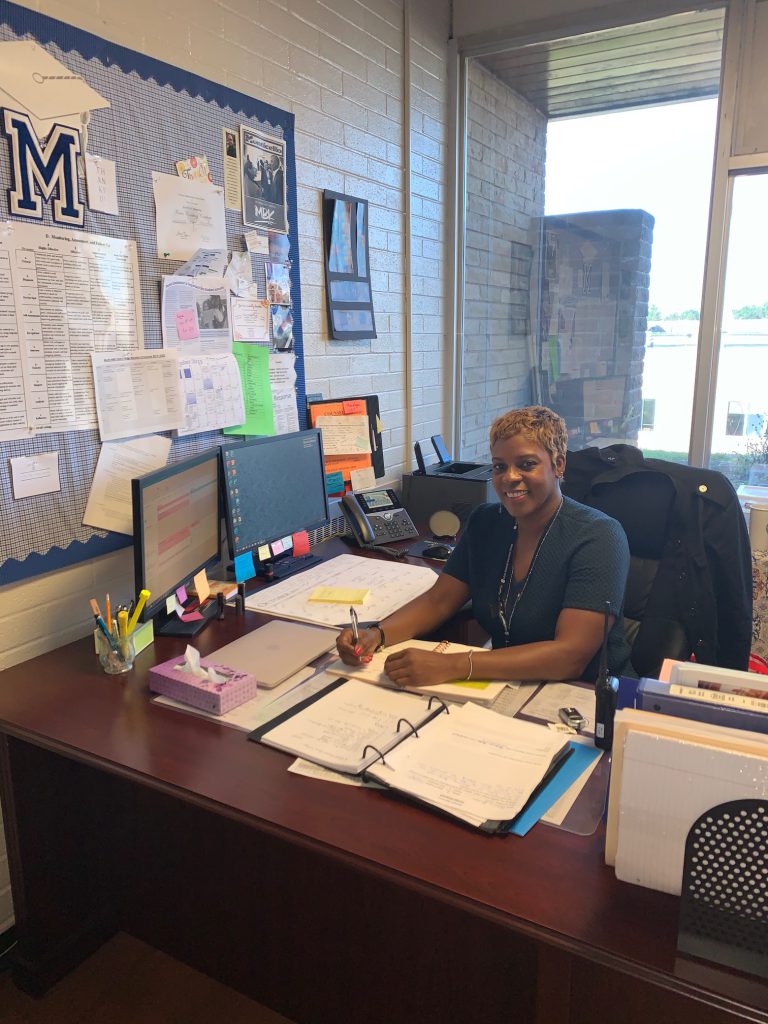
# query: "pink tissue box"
{"type": "Point", "coordinates": [200, 693]}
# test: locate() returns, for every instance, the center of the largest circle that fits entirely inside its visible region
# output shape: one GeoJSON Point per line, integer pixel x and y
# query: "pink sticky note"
{"type": "Point", "coordinates": [181, 593]}
{"type": "Point", "coordinates": [277, 547]}
{"type": "Point", "coordinates": [191, 616]}
{"type": "Point", "coordinates": [300, 543]}
{"type": "Point", "coordinates": [186, 325]}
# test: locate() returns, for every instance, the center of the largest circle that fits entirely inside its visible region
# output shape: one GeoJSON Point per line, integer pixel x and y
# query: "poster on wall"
{"type": "Point", "coordinates": [263, 179]}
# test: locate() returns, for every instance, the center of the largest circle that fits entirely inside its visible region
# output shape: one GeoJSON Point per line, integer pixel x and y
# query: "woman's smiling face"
{"type": "Point", "coordinates": [524, 478]}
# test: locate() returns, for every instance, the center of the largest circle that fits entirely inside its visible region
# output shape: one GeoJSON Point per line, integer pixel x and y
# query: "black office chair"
{"type": "Point", "coordinates": [689, 589]}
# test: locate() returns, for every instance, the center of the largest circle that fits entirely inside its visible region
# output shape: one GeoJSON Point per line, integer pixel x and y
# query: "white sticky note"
{"type": "Point", "coordinates": [35, 474]}
{"type": "Point", "coordinates": [362, 479]}
{"type": "Point", "coordinates": [101, 179]}
{"type": "Point", "coordinates": [255, 242]}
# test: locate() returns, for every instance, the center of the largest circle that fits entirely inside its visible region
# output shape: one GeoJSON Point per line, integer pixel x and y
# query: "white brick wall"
{"type": "Point", "coordinates": [339, 67]}
{"type": "Point", "coordinates": [506, 149]}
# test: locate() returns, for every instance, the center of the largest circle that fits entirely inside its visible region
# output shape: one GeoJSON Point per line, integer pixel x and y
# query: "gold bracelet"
{"type": "Point", "coordinates": [469, 655]}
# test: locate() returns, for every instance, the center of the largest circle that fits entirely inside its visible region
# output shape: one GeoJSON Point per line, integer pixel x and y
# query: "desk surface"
{"type": "Point", "coordinates": [551, 885]}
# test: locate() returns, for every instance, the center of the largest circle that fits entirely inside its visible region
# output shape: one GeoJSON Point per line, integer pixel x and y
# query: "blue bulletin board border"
{"type": "Point", "coordinates": [41, 28]}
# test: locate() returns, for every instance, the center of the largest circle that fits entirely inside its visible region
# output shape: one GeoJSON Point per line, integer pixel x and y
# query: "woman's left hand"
{"type": "Point", "coordinates": [414, 667]}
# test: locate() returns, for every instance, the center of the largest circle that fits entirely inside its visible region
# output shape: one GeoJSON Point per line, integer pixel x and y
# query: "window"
{"type": "Point", "coordinates": [649, 414]}
{"type": "Point", "coordinates": [588, 168]}
{"type": "Point", "coordinates": [734, 421]}
{"type": "Point", "coordinates": [739, 440]}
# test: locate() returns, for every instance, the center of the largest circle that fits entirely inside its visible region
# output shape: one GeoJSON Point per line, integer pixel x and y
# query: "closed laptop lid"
{"type": "Point", "coordinates": [276, 650]}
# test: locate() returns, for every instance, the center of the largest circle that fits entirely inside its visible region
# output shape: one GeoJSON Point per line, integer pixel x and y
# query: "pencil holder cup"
{"type": "Point", "coordinates": [115, 661]}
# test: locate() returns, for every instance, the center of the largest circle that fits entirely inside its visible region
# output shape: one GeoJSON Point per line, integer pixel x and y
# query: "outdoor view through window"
{"type": "Point", "coordinates": [649, 172]}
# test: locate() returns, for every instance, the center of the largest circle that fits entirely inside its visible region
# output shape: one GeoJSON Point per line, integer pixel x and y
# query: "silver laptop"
{"type": "Point", "coordinates": [275, 651]}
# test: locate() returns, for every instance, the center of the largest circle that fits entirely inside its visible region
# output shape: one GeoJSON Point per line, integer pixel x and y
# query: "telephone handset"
{"type": "Point", "coordinates": [377, 517]}
{"type": "Point", "coordinates": [357, 519]}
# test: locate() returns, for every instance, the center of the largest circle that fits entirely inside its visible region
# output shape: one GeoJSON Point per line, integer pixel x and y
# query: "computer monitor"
{"type": "Point", "coordinates": [273, 487]}
{"type": "Point", "coordinates": [176, 533]}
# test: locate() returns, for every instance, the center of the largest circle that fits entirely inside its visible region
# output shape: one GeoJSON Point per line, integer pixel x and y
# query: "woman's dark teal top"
{"type": "Point", "coordinates": [582, 563]}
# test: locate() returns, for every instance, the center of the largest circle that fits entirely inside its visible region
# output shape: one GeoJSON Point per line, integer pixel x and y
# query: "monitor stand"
{"type": "Point", "coordinates": [280, 570]}
{"type": "Point", "coordinates": [173, 626]}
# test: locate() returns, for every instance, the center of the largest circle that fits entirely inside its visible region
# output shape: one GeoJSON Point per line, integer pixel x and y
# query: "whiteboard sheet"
{"type": "Point", "coordinates": [390, 586]}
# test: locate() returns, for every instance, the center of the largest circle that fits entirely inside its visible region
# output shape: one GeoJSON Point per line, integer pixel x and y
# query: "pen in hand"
{"type": "Point", "coordinates": [355, 630]}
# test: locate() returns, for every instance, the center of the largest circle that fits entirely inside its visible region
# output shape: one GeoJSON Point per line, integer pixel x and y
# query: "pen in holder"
{"type": "Point", "coordinates": [117, 655]}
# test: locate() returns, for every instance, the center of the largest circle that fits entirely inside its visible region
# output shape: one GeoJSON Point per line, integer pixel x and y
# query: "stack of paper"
{"type": "Point", "coordinates": [666, 772]}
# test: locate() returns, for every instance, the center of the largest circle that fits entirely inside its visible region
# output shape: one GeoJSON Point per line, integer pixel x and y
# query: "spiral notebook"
{"type": "Point", "coordinates": [467, 762]}
{"type": "Point", "coordinates": [478, 691]}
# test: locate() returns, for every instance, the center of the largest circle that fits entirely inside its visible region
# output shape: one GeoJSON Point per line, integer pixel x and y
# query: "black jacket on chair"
{"type": "Point", "coordinates": [690, 553]}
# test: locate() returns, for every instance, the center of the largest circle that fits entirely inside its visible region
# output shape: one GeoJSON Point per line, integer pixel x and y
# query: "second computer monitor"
{"type": "Point", "coordinates": [274, 487]}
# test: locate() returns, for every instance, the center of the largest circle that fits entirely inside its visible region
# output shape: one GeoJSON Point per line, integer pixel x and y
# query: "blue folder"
{"type": "Point", "coordinates": [582, 756]}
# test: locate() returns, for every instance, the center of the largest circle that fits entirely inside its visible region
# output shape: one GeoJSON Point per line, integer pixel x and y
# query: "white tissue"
{"type": "Point", "coordinates": [193, 667]}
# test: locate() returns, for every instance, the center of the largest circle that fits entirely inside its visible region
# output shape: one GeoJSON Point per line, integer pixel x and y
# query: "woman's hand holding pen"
{"type": "Point", "coordinates": [353, 652]}
{"type": "Point", "coordinates": [414, 667]}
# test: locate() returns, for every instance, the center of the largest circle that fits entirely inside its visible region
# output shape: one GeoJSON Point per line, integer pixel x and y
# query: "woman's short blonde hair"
{"type": "Point", "coordinates": [536, 422]}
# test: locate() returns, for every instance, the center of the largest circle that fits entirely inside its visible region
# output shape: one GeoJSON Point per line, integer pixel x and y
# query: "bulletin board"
{"type": "Point", "coordinates": [159, 114]}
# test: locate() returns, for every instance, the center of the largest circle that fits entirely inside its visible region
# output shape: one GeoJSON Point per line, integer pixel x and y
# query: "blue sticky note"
{"type": "Point", "coordinates": [334, 483]}
{"type": "Point", "coordinates": [564, 777]}
{"type": "Point", "coordinates": [244, 567]}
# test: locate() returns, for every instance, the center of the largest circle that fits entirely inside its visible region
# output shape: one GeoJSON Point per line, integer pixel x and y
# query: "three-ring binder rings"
{"type": "Point", "coordinates": [465, 761]}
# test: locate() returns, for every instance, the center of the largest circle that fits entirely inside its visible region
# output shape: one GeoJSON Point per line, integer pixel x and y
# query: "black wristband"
{"type": "Point", "coordinates": [377, 625]}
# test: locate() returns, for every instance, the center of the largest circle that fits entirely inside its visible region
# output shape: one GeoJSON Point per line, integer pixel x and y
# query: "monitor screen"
{"type": "Point", "coordinates": [274, 487]}
{"type": "Point", "coordinates": [176, 526]}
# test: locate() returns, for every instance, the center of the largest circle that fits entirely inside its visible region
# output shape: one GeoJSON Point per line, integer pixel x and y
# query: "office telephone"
{"type": "Point", "coordinates": [377, 517]}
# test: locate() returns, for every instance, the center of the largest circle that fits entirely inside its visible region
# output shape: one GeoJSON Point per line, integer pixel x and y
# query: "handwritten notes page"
{"type": "Point", "coordinates": [391, 585]}
{"type": "Point", "coordinates": [335, 730]}
{"type": "Point", "coordinates": [473, 763]}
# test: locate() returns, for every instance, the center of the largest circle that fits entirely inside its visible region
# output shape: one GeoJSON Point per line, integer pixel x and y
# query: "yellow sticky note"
{"type": "Point", "coordinates": [202, 589]}
{"type": "Point", "coordinates": [339, 595]}
{"type": "Point", "coordinates": [264, 553]}
{"type": "Point", "coordinates": [473, 684]}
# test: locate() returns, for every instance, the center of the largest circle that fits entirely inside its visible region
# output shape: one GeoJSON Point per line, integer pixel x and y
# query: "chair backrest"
{"type": "Point", "coordinates": [642, 503]}
{"type": "Point", "coordinates": [724, 899]}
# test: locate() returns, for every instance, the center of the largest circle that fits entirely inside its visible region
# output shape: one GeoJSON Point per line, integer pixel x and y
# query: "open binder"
{"type": "Point", "coordinates": [467, 762]}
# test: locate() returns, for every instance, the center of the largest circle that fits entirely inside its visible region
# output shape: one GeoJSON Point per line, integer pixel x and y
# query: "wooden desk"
{"type": "Point", "coordinates": [328, 903]}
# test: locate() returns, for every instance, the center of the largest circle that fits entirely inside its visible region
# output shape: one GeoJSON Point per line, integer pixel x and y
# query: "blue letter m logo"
{"type": "Point", "coordinates": [54, 170]}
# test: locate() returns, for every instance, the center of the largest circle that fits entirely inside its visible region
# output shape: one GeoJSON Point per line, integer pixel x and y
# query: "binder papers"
{"type": "Point", "coordinates": [473, 764]}
{"type": "Point", "coordinates": [348, 725]}
{"type": "Point", "coordinates": [462, 690]}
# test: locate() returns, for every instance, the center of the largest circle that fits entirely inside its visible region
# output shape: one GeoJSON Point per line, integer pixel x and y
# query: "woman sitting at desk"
{"type": "Point", "coordinates": [538, 568]}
